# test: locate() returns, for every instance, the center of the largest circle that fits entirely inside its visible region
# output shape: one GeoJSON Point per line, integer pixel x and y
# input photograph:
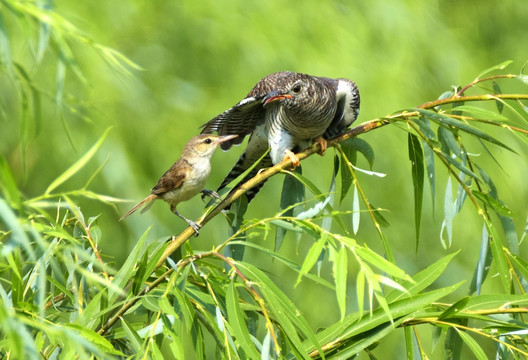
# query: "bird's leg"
{"type": "Point", "coordinates": [322, 143]}
{"type": "Point", "coordinates": [196, 227]}
{"type": "Point", "coordinates": [210, 193]}
{"type": "Point", "coordinates": [294, 159]}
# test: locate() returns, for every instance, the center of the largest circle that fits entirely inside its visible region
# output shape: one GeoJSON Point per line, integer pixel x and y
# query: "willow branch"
{"type": "Point", "coordinates": [451, 100]}
{"type": "Point", "coordinates": [263, 176]}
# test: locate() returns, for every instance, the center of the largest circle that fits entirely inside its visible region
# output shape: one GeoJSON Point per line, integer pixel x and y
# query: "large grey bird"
{"type": "Point", "coordinates": [285, 111]}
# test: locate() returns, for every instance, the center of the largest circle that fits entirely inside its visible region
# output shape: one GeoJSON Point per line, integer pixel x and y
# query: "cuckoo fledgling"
{"type": "Point", "coordinates": [186, 177]}
{"type": "Point", "coordinates": [285, 111]}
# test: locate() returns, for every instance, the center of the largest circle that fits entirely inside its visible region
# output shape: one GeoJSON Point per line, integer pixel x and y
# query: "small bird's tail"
{"type": "Point", "coordinates": [148, 199]}
{"type": "Point", "coordinates": [242, 165]}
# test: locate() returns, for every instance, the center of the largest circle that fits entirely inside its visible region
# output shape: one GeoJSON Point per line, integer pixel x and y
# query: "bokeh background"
{"type": "Point", "coordinates": [199, 58]}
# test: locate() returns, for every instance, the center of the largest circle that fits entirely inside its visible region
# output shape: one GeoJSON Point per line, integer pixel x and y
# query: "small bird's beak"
{"type": "Point", "coordinates": [274, 96]}
{"type": "Point", "coordinates": [225, 138]}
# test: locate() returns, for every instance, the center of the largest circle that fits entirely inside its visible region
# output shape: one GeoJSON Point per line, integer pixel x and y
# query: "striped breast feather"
{"type": "Point", "coordinates": [241, 120]}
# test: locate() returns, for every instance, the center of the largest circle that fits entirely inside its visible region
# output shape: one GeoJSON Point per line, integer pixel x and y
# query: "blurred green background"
{"type": "Point", "coordinates": [201, 57]}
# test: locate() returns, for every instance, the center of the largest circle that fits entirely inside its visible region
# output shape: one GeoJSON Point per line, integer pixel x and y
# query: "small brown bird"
{"type": "Point", "coordinates": [186, 177]}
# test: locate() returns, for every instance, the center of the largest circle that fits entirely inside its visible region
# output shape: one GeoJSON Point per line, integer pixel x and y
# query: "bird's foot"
{"type": "Point", "coordinates": [196, 227]}
{"type": "Point", "coordinates": [210, 193]}
{"type": "Point", "coordinates": [322, 143]}
{"type": "Point", "coordinates": [294, 159]}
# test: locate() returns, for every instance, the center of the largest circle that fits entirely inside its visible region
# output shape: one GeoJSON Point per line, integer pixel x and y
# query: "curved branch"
{"type": "Point", "coordinates": [266, 174]}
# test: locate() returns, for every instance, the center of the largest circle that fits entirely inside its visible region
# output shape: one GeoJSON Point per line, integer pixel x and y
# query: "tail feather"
{"type": "Point", "coordinates": [241, 166]}
{"type": "Point", "coordinates": [148, 199]}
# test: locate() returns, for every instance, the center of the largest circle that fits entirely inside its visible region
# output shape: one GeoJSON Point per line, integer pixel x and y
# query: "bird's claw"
{"type": "Point", "coordinates": [294, 159]}
{"type": "Point", "coordinates": [195, 226]}
{"type": "Point", "coordinates": [323, 145]}
{"type": "Point", "coordinates": [210, 193]}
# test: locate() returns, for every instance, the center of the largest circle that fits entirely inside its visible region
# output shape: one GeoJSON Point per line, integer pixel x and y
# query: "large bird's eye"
{"type": "Point", "coordinates": [297, 88]}
{"type": "Point", "coordinates": [208, 141]}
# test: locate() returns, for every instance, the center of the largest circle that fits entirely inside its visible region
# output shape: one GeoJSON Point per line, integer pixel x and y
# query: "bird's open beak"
{"type": "Point", "coordinates": [274, 96]}
{"type": "Point", "coordinates": [225, 138]}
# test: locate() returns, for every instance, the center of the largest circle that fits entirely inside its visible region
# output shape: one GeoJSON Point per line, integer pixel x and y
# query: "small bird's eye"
{"type": "Point", "coordinates": [208, 141]}
{"type": "Point", "coordinates": [297, 88]}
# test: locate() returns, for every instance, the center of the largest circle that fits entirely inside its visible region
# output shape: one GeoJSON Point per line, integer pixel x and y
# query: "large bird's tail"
{"type": "Point", "coordinates": [148, 199]}
{"type": "Point", "coordinates": [244, 163]}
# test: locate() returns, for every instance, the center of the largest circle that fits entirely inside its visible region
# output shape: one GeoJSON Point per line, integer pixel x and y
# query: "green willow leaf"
{"type": "Point", "coordinates": [352, 325]}
{"type": "Point", "coordinates": [448, 142]}
{"type": "Point", "coordinates": [422, 279]}
{"type": "Point", "coordinates": [454, 309]}
{"type": "Point", "coordinates": [484, 261]}
{"type": "Point", "coordinates": [520, 265]}
{"type": "Point", "coordinates": [127, 270]}
{"type": "Point", "coordinates": [481, 113]}
{"type": "Point", "coordinates": [235, 219]}
{"type": "Point", "coordinates": [292, 194]}
{"type": "Point", "coordinates": [495, 204]}
{"type": "Point", "coordinates": [340, 275]}
{"type": "Point", "coordinates": [346, 177]}
{"type": "Point", "coordinates": [500, 66]}
{"type": "Point", "coordinates": [238, 325]}
{"type": "Point", "coordinates": [449, 121]}
{"type": "Point", "coordinates": [292, 265]}
{"type": "Point", "coordinates": [319, 195]}
{"type": "Point", "coordinates": [459, 166]}
{"type": "Point", "coordinates": [326, 224]}
{"type": "Point", "coordinates": [356, 211]}
{"type": "Point", "coordinates": [311, 257]}
{"type": "Point", "coordinates": [381, 263]}
{"type": "Point", "coordinates": [78, 165]}
{"type": "Point", "coordinates": [290, 317]}
{"type": "Point", "coordinates": [430, 167]}
{"type": "Point", "coordinates": [473, 346]}
{"type": "Point", "coordinates": [417, 170]}
{"type": "Point", "coordinates": [360, 292]}
{"type": "Point", "coordinates": [483, 302]}
{"type": "Point", "coordinates": [133, 337]}
{"type": "Point", "coordinates": [499, 257]}
{"type": "Point", "coordinates": [449, 215]}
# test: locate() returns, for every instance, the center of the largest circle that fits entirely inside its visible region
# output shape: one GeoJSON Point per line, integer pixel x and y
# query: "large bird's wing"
{"type": "Point", "coordinates": [347, 96]}
{"type": "Point", "coordinates": [241, 120]}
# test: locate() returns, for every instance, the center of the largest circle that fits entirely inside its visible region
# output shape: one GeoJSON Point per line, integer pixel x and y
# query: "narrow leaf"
{"type": "Point", "coordinates": [446, 120]}
{"type": "Point", "coordinates": [292, 193]}
{"type": "Point", "coordinates": [499, 257]}
{"type": "Point", "coordinates": [483, 263]}
{"type": "Point", "coordinates": [340, 275]}
{"type": "Point", "coordinates": [449, 215]}
{"type": "Point", "coordinates": [238, 325]}
{"type": "Point", "coordinates": [430, 166]}
{"type": "Point", "coordinates": [78, 165]}
{"type": "Point", "coordinates": [346, 177]}
{"type": "Point", "coordinates": [481, 113]}
{"type": "Point", "coordinates": [473, 346]}
{"type": "Point", "coordinates": [417, 171]}
{"type": "Point", "coordinates": [454, 309]}
{"type": "Point", "coordinates": [495, 204]}
{"type": "Point", "coordinates": [381, 263]}
{"type": "Point", "coordinates": [356, 211]}
{"type": "Point", "coordinates": [311, 257]}
{"type": "Point", "coordinates": [500, 66]}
